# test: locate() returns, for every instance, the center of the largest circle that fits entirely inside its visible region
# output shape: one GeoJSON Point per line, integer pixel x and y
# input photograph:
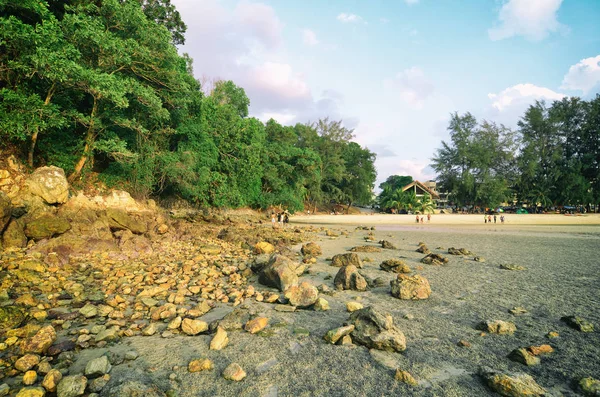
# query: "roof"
{"type": "Point", "coordinates": [421, 186]}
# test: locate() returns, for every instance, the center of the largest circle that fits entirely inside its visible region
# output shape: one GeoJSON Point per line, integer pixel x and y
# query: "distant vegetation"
{"type": "Point", "coordinates": [553, 159]}
{"type": "Point", "coordinates": [99, 86]}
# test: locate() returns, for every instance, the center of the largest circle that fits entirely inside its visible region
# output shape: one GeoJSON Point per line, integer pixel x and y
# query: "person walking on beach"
{"type": "Point", "coordinates": [494, 218]}
{"type": "Point", "coordinates": [502, 219]}
{"type": "Point", "coordinates": [273, 220]}
{"type": "Point", "coordinates": [484, 219]}
{"type": "Point", "coordinates": [489, 218]}
{"type": "Point", "coordinates": [417, 219]}
{"type": "Point", "coordinates": [428, 218]}
{"type": "Point", "coordinates": [421, 219]}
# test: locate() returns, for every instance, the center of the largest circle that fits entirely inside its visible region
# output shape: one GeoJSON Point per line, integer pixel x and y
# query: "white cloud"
{"type": "Point", "coordinates": [260, 20]}
{"type": "Point", "coordinates": [349, 18]}
{"type": "Point", "coordinates": [522, 94]}
{"type": "Point", "coordinates": [309, 37]}
{"type": "Point", "coordinates": [411, 2]}
{"type": "Point", "coordinates": [281, 118]}
{"type": "Point", "coordinates": [280, 79]}
{"type": "Point", "coordinates": [384, 20]}
{"type": "Point", "coordinates": [583, 76]}
{"type": "Point", "coordinates": [534, 19]}
{"type": "Point", "coordinates": [412, 86]}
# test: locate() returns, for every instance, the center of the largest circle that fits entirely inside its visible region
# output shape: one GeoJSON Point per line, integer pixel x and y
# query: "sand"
{"type": "Point", "coordinates": [561, 278]}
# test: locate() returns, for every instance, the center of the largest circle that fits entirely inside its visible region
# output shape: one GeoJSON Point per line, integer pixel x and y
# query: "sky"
{"type": "Point", "coordinates": [395, 70]}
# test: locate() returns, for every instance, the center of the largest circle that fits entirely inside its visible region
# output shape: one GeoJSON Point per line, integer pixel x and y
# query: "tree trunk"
{"type": "Point", "coordinates": [37, 128]}
{"type": "Point", "coordinates": [89, 141]}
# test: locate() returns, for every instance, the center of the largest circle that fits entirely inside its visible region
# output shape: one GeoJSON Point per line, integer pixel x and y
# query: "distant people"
{"type": "Point", "coordinates": [417, 219]}
{"type": "Point", "coordinates": [484, 218]}
{"type": "Point", "coordinates": [286, 218]}
{"type": "Point", "coordinates": [489, 218]}
{"type": "Point", "coordinates": [494, 218]}
{"type": "Point", "coordinates": [280, 219]}
{"type": "Point", "coordinates": [428, 218]}
{"type": "Point", "coordinates": [502, 219]}
{"type": "Point", "coordinates": [421, 219]}
{"type": "Point", "coordinates": [273, 220]}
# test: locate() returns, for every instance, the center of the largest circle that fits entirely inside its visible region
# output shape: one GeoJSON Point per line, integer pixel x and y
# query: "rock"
{"type": "Point", "coordinates": [88, 311]}
{"type": "Point", "coordinates": [234, 372]}
{"type": "Point", "coordinates": [4, 389]}
{"type": "Point", "coordinates": [162, 229]}
{"type": "Point", "coordinates": [97, 367]}
{"type": "Point", "coordinates": [523, 356]}
{"type": "Point", "coordinates": [14, 236]}
{"type": "Point", "coordinates": [579, 323]}
{"type": "Point", "coordinates": [232, 321]}
{"type": "Point", "coordinates": [135, 388]}
{"type": "Point", "coordinates": [422, 248]}
{"type": "Point", "coordinates": [511, 384]}
{"type": "Point", "coordinates": [348, 278]}
{"type": "Point", "coordinates": [434, 259]}
{"type": "Point", "coordinates": [336, 334]}
{"type": "Point", "coordinates": [193, 327]}
{"type": "Point", "coordinates": [365, 248]}
{"type": "Point", "coordinates": [280, 272]}
{"type": "Point", "coordinates": [263, 247]}
{"type": "Point", "coordinates": [341, 260]}
{"type": "Point", "coordinates": [552, 335]}
{"type": "Point", "coordinates": [220, 340]}
{"type": "Point", "coordinates": [376, 330]}
{"type": "Point", "coordinates": [11, 317]}
{"type": "Point", "coordinates": [108, 335]}
{"type": "Point", "coordinates": [353, 306]}
{"type": "Point", "coordinates": [71, 386]}
{"type": "Point", "coordinates": [395, 266]}
{"type": "Point", "coordinates": [387, 245]}
{"type": "Point", "coordinates": [134, 245]}
{"type": "Point", "coordinates": [51, 380]}
{"type": "Point", "coordinates": [96, 385]}
{"type": "Point", "coordinates": [5, 210]}
{"type": "Point", "coordinates": [303, 295]}
{"type": "Point", "coordinates": [175, 323]}
{"type": "Point", "coordinates": [518, 310]}
{"type": "Point", "coordinates": [46, 226]}
{"type": "Point", "coordinates": [131, 355]}
{"type": "Point", "coordinates": [256, 325]}
{"type": "Point", "coordinates": [27, 362]}
{"type": "Point", "coordinates": [459, 251]}
{"type": "Point", "coordinates": [464, 343]}
{"type": "Point", "coordinates": [311, 249]}
{"type": "Point", "coordinates": [203, 364]}
{"type": "Point", "coordinates": [405, 377]}
{"type": "Point", "coordinates": [590, 387]}
{"type": "Point", "coordinates": [150, 330]}
{"type": "Point", "coordinates": [40, 342]}
{"type": "Point", "coordinates": [31, 392]}
{"type": "Point", "coordinates": [50, 184]}
{"type": "Point", "coordinates": [410, 287]}
{"type": "Point", "coordinates": [498, 327]}
{"type": "Point", "coordinates": [29, 378]}
{"type": "Point", "coordinates": [118, 219]}
{"type": "Point", "coordinates": [539, 350]}
{"type": "Point", "coordinates": [510, 266]}
{"type": "Point", "coordinates": [321, 305]}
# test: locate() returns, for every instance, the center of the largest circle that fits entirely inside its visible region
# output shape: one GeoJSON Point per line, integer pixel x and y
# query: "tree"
{"type": "Point", "coordinates": [227, 93]}
{"type": "Point", "coordinates": [359, 178]}
{"type": "Point", "coordinates": [396, 181]}
{"type": "Point", "coordinates": [164, 13]}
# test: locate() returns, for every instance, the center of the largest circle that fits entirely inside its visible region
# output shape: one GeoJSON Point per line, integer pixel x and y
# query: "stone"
{"type": "Point", "coordinates": [31, 392]}
{"type": "Point", "coordinates": [14, 235]}
{"type": "Point", "coordinates": [523, 356]}
{"type": "Point", "coordinates": [376, 330]}
{"type": "Point", "coordinates": [459, 251]}
{"type": "Point", "coordinates": [434, 259]}
{"type": "Point", "coordinates": [97, 367]}
{"type": "Point", "coordinates": [395, 266]}
{"type": "Point", "coordinates": [29, 378]}
{"type": "Point", "coordinates": [40, 342]}
{"type": "Point", "coordinates": [387, 245]}
{"type": "Point", "coordinates": [256, 325]}
{"type": "Point", "coordinates": [96, 385]}
{"type": "Point", "coordinates": [303, 295]}
{"type": "Point", "coordinates": [88, 311]}
{"type": "Point", "coordinates": [234, 372]}
{"type": "Point", "coordinates": [5, 210]}
{"type": "Point", "coordinates": [405, 377]}
{"type": "Point", "coordinates": [311, 249]}
{"type": "Point", "coordinates": [193, 327]}
{"type": "Point", "coordinates": [321, 305]}
{"type": "Point", "coordinates": [220, 340]}
{"type": "Point", "coordinates": [44, 367]}
{"type": "Point", "coordinates": [200, 365]}
{"type": "Point", "coordinates": [342, 260]}
{"type": "Point", "coordinates": [175, 323]}
{"type": "Point", "coordinates": [27, 362]}
{"type": "Point", "coordinates": [46, 226]}
{"type": "Point", "coordinates": [410, 287]}
{"type": "Point", "coordinates": [511, 384]}
{"type": "Point", "coordinates": [552, 335]}
{"type": "Point", "coordinates": [119, 219]}
{"type": "Point", "coordinates": [11, 317]}
{"type": "Point", "coordinates": [539, 350]}
{"type": "Point", "coordinates": [518, 310]}
{"type": "Point", "coordinates": [150, 330]}
{"type": "Point", "coordinates": [499, 327]}
{"type": "Point", "coordinates": [263, 247]}
{"type": "Point", "coordinates": [280, 272]}
{"type": "Point", "coordinates": [334, 335]}
{"type": "Point", "coordinates": [590, 386]}
{"type": "Point", "coordinates": [162, 229]}
{"type": "Point", "coordinates": [109, 334]}
{"type": "Point", "coordinates": [579, 323]}
{"type": "Point", "coordinates": [353, 306]}
{"type": "Point", "coordinates": [365, 248]}
{"type": "Point", "coordinates": [4, 389]}
{"type": "Point", "coordinates": [348, 278]}
{"type": "Point", "coordinates": [51, 380]}
{"type": "Point", "coordinates": [511, 266]}
{"type": "Point", "coordinates": [131, 355]}
{"type": "Point", "coordinates": [422, 248]}
{"type": "Point", "coordinates": [50, 184]}
{"type": "Point", "coordinates": [232, 321]}
{"type": "Point", "coordinates": [71, 386]}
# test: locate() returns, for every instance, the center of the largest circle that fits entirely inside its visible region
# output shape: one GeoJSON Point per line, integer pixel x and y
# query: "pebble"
{"type": "Point", "coordinates": [220, 340]}
{"type": "Point", "coordinates": [203, 364]}
{"type": "Point", "coordinates": [256, 325]}
{"type": "Point", "coordinates": [234, 372]}
{"type": "Point", "coordinates": [29, 378]}
{"type": "Point", "coordinates": [353, 306]}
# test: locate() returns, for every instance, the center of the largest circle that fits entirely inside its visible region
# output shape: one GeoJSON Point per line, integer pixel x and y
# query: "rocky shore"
{"type": "Point", "coordinates": [108, 296]}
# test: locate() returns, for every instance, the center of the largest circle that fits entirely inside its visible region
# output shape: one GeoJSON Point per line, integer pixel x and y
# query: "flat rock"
{"type": "Point", "coordinates": [499, 327]}
{"type": "Point", "coordinates": [524, 356]}
{"type": "Point", "coordinates": [578, 323]}
{"type": "Point", "coordinates": [336, 334]}
{"type": "Point", "coordinates": [365, 248]}
{"type": "Point", "coordinates": [395, 266]}
{"type": "Point", "coordinates": [203, 364]}
{"type": "Point", "coordinates": [193, 327]}
{"type": "Point", "coordinates": [71, 386]}
{"type": "Point", "coordinates": [346, 259]}
{"type": "Point", "coordinates": [511, 384]}
{"type": "Point", "coordinates": [256, 325]}
{"type": "Point", "coordinates": [46, 226]}
{"type": "Point", "coordinates": [31, 392]}
{"type": "Point", "coordinates": [41, 341]}
{"type": "Point", "coordinates": [97, 367]}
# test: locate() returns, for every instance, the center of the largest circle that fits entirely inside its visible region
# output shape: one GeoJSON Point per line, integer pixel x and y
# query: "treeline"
{"type": "Point", "coordinates": [99, 85]}
{"type": "Point", "coordinates": [552, 159]}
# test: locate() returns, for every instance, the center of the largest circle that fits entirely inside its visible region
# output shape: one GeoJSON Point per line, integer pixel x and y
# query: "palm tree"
{"type": "Point", "coordinates": [426, 204]}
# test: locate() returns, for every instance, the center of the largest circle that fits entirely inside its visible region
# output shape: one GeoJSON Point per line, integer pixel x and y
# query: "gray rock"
{"type": "Point", "coordinates": [118, 219]}
{"type": "Point", "coordinates": [4, 389]}
{"type": "Point", "coordinates": [71, 386]}
{"type": "Point", "coordinates": [5, 210]}
{"type": "Point", "coordinates": [281, 272]}
{"type": "Point", "coordinates": [14, 236]}
{"type": "Point", "coordinates": [88, 311]}
{"type": "Point", "coordinates": [46, 226]}
{"type": "Point", "coordinates": [511, 384]}
{"type": "Point", "coordinates": [376, 330]}
{"type": "Point", "coordinates": [131, 355]}
{"type": "Point", "coordinates": [97, 367]}
{"type": "Point", "coordinates": [50, 184]}
{"type": "Point", "coordinates": [346, 259]}
{"type": "Point", "coordinates": [134, 388]}
{"type": "Point", "coordinates": [348, 278]}
{"type": "Point", "coordinates": [108, 335]}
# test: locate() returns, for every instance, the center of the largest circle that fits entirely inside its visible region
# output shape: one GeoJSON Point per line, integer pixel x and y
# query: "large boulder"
{"type": "Point", "coordinates": [50, 184]}
{"type": "Point", "coordinates": [376, 330]}
{"type": "Point", "coordinates": [281, 272]}
{"type": "Point", "coordinates": [303, 295]}
{"type": "Point", "coordinates": [14, 236]}
{"type": "Point", "coordinates": [311, 249]}
{"type": "Point", "coordinates": [394, 266]}
{"type": "Point", "coordinates": [40, 342]}
{"type": "Point", "coordinates": [410, 287]}
{"type": "Point", "coordinates": [5, 210]}
{"type": "Point", "coordinates": [511, 384]}
{"type": "Point", "coordinates": [348, 277]}
{"type": "Point", "coordinates": [119, 220]}
{"type": "Point", "coordinates": [46, 226]}
{"type": "Point", "coordinates": [341, 260]}
{"type": "Point", "coordinates": [11, 317]}
{"type": "Point", "coordinates": [134, 245]}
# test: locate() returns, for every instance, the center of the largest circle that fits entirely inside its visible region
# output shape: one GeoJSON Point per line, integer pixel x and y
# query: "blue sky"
{"type": "Point", "coordinates": [395, 70]}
